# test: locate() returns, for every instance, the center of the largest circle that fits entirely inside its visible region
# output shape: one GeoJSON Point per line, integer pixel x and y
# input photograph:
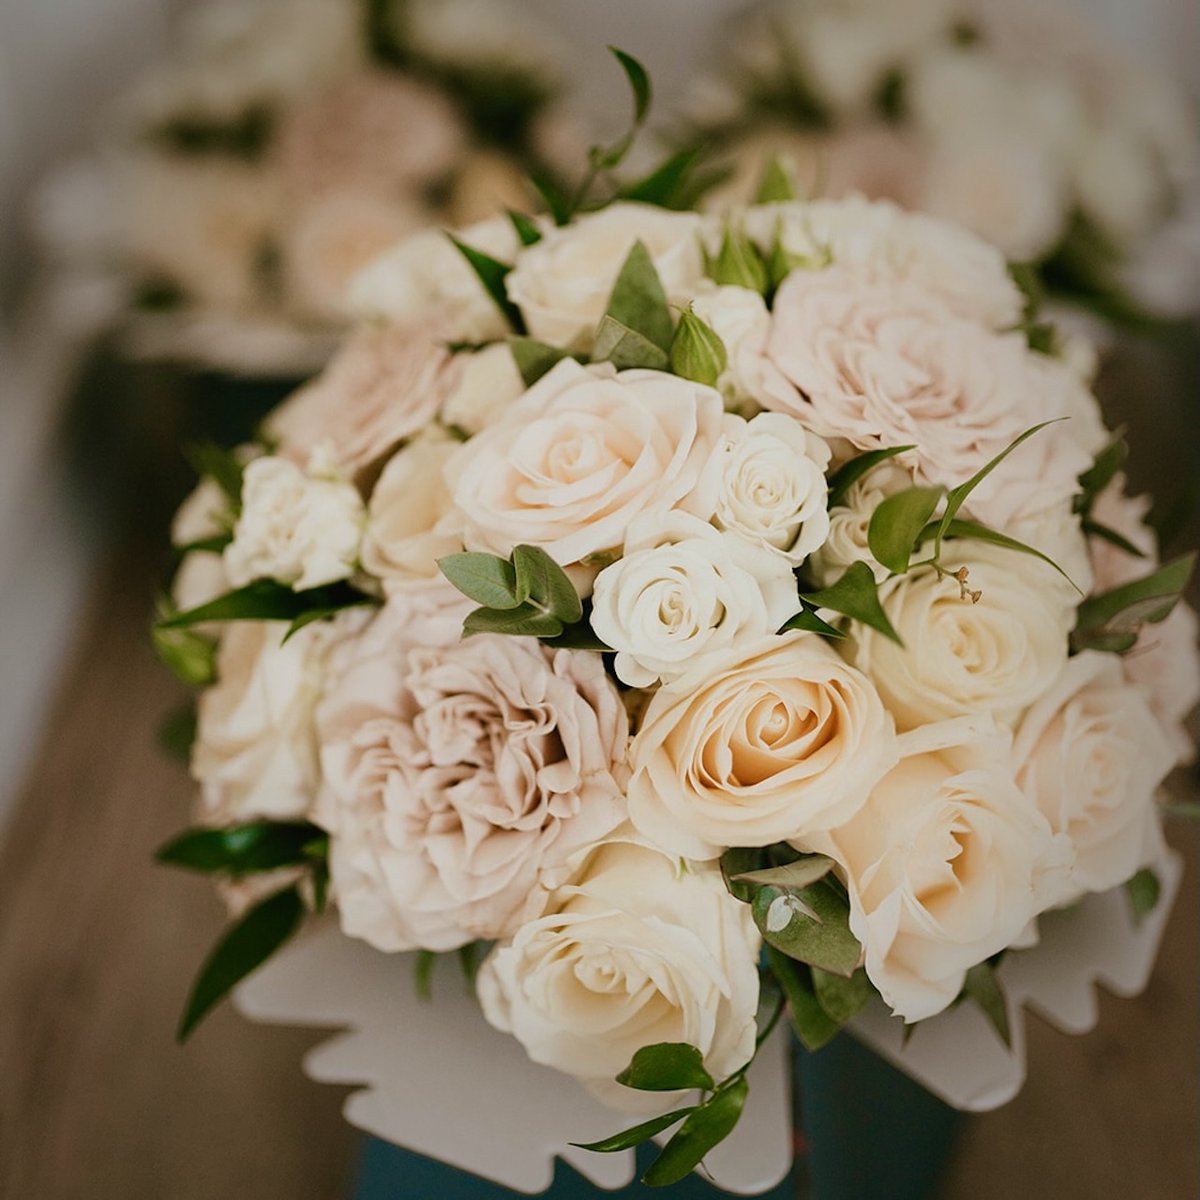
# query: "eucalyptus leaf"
{"type": "Point", "coordinates": [850, 472]}
{"type": "Point", "coordinates": [812, 1024]}
{"type": "Point", "coordinates": [248, 849]}
{"type": "Point", "coordinates": [667, 1067]}
{"type": "Point", "coordinates": [808, 621]}
{"type": "Point", "coordinates": [738, 862]}
{"type": "Point", "coordinates": [533, 358]}
{"type": "Point", "coordinates": [842, 999]}
{"type": "Point", "coordinates": [1143, 890]}
{"type": "Point", "coordinates": [485, 578]}
{"type": "Point", "coordinates": [799, 874]}
{"type": "Point", "coordinates": [822, 939]}
{"type": "Point", "coordinates": [703, 1129]}
{"type": "Point", "coordinates": [541, 580]}
{"type": "Point", "coordinates": [637, 1134]}
{"type": "Point", "coordinates": [983, 988]}
{"type": "Point", "coordinates": [492, 274]}
{"type": "Point", "coordinates": [697, 352]}
{"type": "Point", "coordinates": [626, 348]}
{"type": "Point", "coordinates": [523, 621]}
{"type": "Point", "coordinates": [855, 595]}
{"type": "Point", "coordinates": [776, 184]}
{"type": "Point", "coordinates": [896, 525]}
{"type": "Point", "coordinates": [579, 636]}
{"type": "Point", "coordinates": [244, 947]}
{"type": "Point", "coordinates": [638, 300]}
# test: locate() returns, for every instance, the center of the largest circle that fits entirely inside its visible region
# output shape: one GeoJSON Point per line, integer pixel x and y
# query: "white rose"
{"type": "Point", "coordinates": [995, 656]}
{"type": "Point", "coordinates": [682, 589]}
{"type": "Point", "coordinates": [488, 385]}
{"type": "Point", "coordinates": [769, 743]}
{"type": "Point", "coordinates": [741, 319]}
{"type": "Point", "coordinates": [562, 283]}
{"type": "Point", "coordinates": [1165, 665]}
{"type": "Point", "coordinates": [301, 528]}
{"type": "Point", "coordinates": [457, 774]}
{"type": "Point", "coordinates": [766, 483]}
{"type": "Point", "coordinates": [409, 519]}
{"type": "Point", "coordinates": [1091, 755]}
{"type": "Point", "coordinates": [942, 863]}
{"type": "Point", "coordinates": [426, 276]}
{"type": "Point", "coordinates": [255, 754]}
{"type": "Point", "coordinates": [581, 454]}
{"type": "Point", "coordinates": [636, 949]}
{"type": "Point", "coordinates": [1126, 516]}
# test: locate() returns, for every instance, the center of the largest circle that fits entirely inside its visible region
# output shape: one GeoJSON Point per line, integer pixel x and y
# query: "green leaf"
{"type": "Point", "coordinates": [739, 264]}
{"type": "Point", "coordinates": [972, 530]}
{"type": "Point", "coordinates": [839, 997]}
{"type": "Point", "coordinates": [638, 301]}
{"type": "Point", "coordinates": [190, 656]}
{"type": "Point", "coordinates": [811, 1022]}
{"type": "Point", "coordinates": [209, 545]}
{"type": "Point", "coordinates": [850, 472]}
{"type": "Point", "coordinates": [485, 578]}
{"type": "Point", "coordinates": [579, 636]}
{"type": "Point", "coordinates": [667, 185]}
{"type": "Point", "coordinates": [639, 81]}
{"type": "Point", "coordinates": [896, 525]}
{"type": "Point", "coordinates": [736, 863]}
{"type": "Point", "coordinates": [1104, 470]}
{"type": "Point", "coordinates": [983, 988]}
{"type": "Point", "coordinates": [220, 465]}
{"type": "Point", "coordinates": [492, 274]}
{"type": "Point", "coordinates": [808, 621]}
{"type": "Point", "coordinates": [177, 732]}
{"type": "Point", "coordinates": [637, 1134]}
{"type": "Point", "coordinates": [956, 497]}
{"type": "Point", "coordinates": [1111, 536]}
{"type": "Point", "coordinates": [703, 1129]}
{"type": "Point", "coordinates": [527, 230]}
{"type": "Point", "coordinates": [423, 966]}
{"type": "Point", "coordinates": [470, 959]}
{"type": "Point", "coordinates": [667, 1067]}
{"type": "Point", "coordinates": [266, 600]}
{"type": "Point", "coordinates": [855, 595]}
{"type": "Point", "coordinates": [1143, 890]}
{"type": "Point", "coordinates": [244, 947]}
{"type": "Point", "coordinates": [1121, 612]}
{"type": "Point", "coordinates": [698, 353]}
{"type": "Point", "coordinates": [534, 358]}
{"type": "Point", "coordinates": [811, 925]}
{"type": "Point", "coordinates": [626, 348]}
{"type": "Point", "coordinates": [799, 874]}
{"type": "Point", "coordinates": [523, 621]}
{"type": "Point", "coordinates": [776, 184]}
{"type": "Point", "coordinates": [558, 204]}
{"type": "Point", "coordinates": [541, 580]}
{"type": "Point", "coordinates": [248, 849]}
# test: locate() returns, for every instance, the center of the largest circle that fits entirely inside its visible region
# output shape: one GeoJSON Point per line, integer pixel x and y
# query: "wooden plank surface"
{"type": "Point", "coordinates": [97, 947]}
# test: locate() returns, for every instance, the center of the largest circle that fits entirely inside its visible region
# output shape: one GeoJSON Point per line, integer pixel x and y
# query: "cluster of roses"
{"type": "Point", "coordinates": [1023, 124]}
{"type": "Point", "coordinates": [769, 536]}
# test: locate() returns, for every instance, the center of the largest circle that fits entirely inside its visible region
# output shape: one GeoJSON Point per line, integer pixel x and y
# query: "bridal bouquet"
{"type": "Point", "coordinates": [1021, 123]}
{"type": "Point", "coordinates": [289, 141]}
{"type": "Point", "coordinates": [698, 618]}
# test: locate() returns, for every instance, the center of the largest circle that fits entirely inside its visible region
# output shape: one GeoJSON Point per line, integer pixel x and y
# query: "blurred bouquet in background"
{"type": "Point", "coordinates": [244, 182]}
{"type": "Point", "coordinates": [1017, 120]}
{"type": "Point", "coordinates": [686, 618]}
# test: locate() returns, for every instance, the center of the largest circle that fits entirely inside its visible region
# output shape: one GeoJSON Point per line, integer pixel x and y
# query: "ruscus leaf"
{"type": "Point", "coordinates": [247, 849]}
{"type": "Point", "coordinates": [703, 1129]}
{"type": "Point", "coordinates": [492, 274]}
{"type": "Point", "coordinates": [808, 621]}
{"type": "Point", "coordinates": [637, 1134]}
{"type": "Point", "coordinates": [855, 595]}
{"type": "Point", "coordinates": [850, 472]}
{"type": "Point", "coordinates": [896, 525]}
{"type": "Point", "coordinates": [667, 1067]}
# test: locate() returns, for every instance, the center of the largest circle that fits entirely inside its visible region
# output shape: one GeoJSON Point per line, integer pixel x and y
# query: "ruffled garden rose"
{"type": "Point", "coordinates": [1091, 755]}
{"type": "Point", "coordinates": [300, 528]}
{"type": "Point", "coordinates": [635, 949]}
{"type": "Point", "coordinates": [386, 383]}
{"type": "Point", "coordinates": [942, 863]}
{"type": "Point", "coordinates": [562, 283]}
{"type": "Point", "coordinates": [771, 742]}
{"type": "Point", "coordinates": [584, 452]}
{"type": "Point", "coordinates": [1165, 665]}
{"type": "Point", "coordinates": [682, 589]}
{"type": "Point", "coordinates": [766, 483]}
{"type": "Point", "coordinates": [996, 655]}
{"type": "Point", "coordinates": [456, 773]}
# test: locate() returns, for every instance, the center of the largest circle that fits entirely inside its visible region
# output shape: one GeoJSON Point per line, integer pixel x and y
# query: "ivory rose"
{"type": "Point", "coordinates": [636, 949]}
{"type": "Point", "coordinates": [300, 528]}
{"type": "Point", "coordinates": [1091, 755]}
{"type": "Point", "coordinates": [385, 384]}
{"type": "Point", "coordinates": [1165, 665]}
{"type": "Point", "coordinates": [771, 742]}
{"type": "Point", "coordinates": [457, 772]}
{"type": "Point", "coordinates": [581, 454]}
{"type": "Point", "coordinates": [995, 656]}
{"type": "Point", "coordinates": [488, 385]}
{"type": "Point", "coordinates": [941, 863]}
{"type": "Point", "coordinates": [562, 283]}
{"type": "Point", "coordinates": [681, 589]}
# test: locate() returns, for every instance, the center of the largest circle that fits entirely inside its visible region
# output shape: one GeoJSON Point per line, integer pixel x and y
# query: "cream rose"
{"type": "Point", "coordinates": [682, 589]}
{"type": "Point", "coordinates": [1091, 755]}
{"type": "Point", "coordinates": [385, 384]}
{"type": "Point", "coordinates": [995, 656]}
{"type": "Point", "coordinates": [580, 455]}
{"type": "Point", "coordinates": [769, 743]}
{"type": "Point", "coordinates": [1165, 665]}
{"type": "Point", "coordinates": [636, 949]}
{"type": "Point", "coordinates": [456, 773]}
{"type": "Point", "coordinates": [301, 528]}
{"type": "Point", "coordinates": [941, 863]}
{"type": "Point", "coordinates": [488, 385]}
{"type": "Point", "coordinates": [1125, 515]}
{"type": "Point", "coordinates": [766, 483]}
{"type": "Point", "coordinates": [410, 519]}
{"type": "Point", "coordinates": [562, 283]}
